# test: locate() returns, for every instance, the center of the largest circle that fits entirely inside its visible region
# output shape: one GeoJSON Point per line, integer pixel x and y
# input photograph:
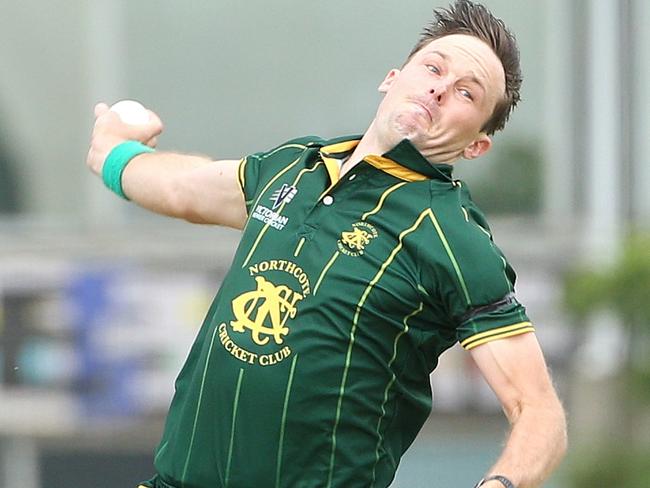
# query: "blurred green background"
{"type": "Point", "coordinates": [100, 301]}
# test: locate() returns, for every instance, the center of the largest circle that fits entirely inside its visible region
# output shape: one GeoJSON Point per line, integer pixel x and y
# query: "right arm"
{"type": "Point", "coordinates": [193, 188]}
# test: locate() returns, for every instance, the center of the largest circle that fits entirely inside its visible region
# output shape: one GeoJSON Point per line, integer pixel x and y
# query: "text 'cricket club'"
{"type": "Point", "coordinates": [271, 216]}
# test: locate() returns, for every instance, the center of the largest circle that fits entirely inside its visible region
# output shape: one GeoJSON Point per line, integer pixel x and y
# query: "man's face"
{"type": "Point", "coordinates": [441, 99]}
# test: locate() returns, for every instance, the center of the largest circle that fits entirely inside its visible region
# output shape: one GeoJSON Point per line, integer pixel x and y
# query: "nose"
{"type": "Point", "coordinates": [439, 90]}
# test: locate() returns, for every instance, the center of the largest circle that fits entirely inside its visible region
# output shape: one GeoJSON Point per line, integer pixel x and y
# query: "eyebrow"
{"type": "Point", "coordinates": [471, 77]}
{"type": "Point", "coordinates": [441, 54]}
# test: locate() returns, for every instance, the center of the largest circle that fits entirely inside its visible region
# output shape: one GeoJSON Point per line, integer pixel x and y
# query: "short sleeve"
{"type": "Point", "coordinates": [471, 280]}
{"type": "Point", "coordinates": [497, 320]}
{"type": "Point", "coordinates": [258, 169]}
{"type": "Point", "coordinates": [248, 176]}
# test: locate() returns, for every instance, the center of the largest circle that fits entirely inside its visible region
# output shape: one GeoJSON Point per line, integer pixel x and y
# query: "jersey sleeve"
{"type": "Point", "coordinates": [258, 169]}
{"type": "Point", "coordinates": [497, 320]}
{"type": "Point", "coordinates": [472, 282]}
{"type": "Point", "coordinates": [248, 176]}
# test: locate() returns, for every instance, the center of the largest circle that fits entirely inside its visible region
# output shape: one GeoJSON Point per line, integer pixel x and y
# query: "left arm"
{"type": "Point", "coordinates": [516, 371]}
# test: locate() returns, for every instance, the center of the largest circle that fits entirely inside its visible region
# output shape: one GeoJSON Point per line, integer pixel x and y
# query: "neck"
{"type": "Point", "coordinates": [370, 143]}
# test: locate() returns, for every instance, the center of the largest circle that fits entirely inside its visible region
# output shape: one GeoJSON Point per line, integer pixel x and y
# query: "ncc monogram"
{"type": "Point", "coordinates": [266, 312]}
{"type": "Point", "coordinates": [355, 241]}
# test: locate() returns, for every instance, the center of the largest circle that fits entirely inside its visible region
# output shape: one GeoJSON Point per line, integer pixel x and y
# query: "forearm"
{"type": "Point", "coordinates": [193, 188]}
{"type": "Point", "coordinates": [155, 181]}
{"type": "Point", "coordinates": [535, 446]}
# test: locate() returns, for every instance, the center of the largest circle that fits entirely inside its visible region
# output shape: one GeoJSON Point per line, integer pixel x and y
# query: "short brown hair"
{"type": "Point", "coordinates": [466, 17]}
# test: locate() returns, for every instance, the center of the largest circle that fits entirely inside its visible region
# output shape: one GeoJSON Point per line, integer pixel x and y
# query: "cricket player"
{"type": "Point", "coordinates": [361, 260]}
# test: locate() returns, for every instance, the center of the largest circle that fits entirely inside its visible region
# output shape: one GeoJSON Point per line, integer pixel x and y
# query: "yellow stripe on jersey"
{"type": "Point", "coordinates": [392, 168]}
{"type": "Point", "coordinates": [451, 256]}
{"type": "Point", "coordinates": [501, 336]}
{"type": "Point", "coordinates": [199, 401]}
{"type": "Point", "coordinates": [278, 461]}
{"type": "Point", "coordinates": [333, 169]}
{"type": "Point", "coordinates": [325, 270]}
{"type": "Point", "coordinates": [381, 201]}
{"type": "Point", "coordinates": [355, 321]}
{"type": "Point", "coordinates": [286, 168]}
{"type": "Point", "coordinates": [380, 437]}
{"type": "Point", "coordinates": [332, 156]}
{"type": "Point", "coordinates": [279, 211]}
{"type": "Point", "coordinates": [339, 148]}
{"type": "Point", "coordinates": [299, 247]}
{"type": "Point", "coordinates": [241, 178]}
{"type": "Point", "coordinates": [499, 333]}
{"type": "Point", "coordinates": [281, 148]}
{"type": "Point", "coordinates": [235, 407]}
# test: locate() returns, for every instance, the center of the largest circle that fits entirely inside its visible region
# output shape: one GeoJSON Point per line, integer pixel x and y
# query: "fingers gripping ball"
{"type": "Point", "coordinates": [131, 112]}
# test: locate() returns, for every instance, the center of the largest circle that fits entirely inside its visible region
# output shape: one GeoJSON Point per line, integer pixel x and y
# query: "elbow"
{"type": "Point", "coordinates": [562, 431]}
{"type": "Point", "coordinates": [547, 412]}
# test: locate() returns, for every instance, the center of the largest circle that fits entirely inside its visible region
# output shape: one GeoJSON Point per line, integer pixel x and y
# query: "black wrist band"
{"type": "Point", "coordinates": [502, 479]}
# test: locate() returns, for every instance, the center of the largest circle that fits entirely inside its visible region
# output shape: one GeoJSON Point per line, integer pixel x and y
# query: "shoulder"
{"type": "Point", "coordinates": [459, 217]}
{"type": "Point", "coordinates": [463, 242]}
{"type": "Point", "coordinates": [292, 146]}
{"type": "Point", "coordinates": [475, 213]}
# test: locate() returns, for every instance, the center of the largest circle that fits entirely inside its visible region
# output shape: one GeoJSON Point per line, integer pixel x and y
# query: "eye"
{"type": "Point", "coordinates": [466, 94]}
{"type": "Point", "coordinates": [433, 69]}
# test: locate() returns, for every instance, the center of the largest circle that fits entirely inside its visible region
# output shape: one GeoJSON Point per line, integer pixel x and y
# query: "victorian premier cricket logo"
{"type": "Point", "coordinates": [271, 216]}
{"type": "Point", "coordinates": [266, 312]}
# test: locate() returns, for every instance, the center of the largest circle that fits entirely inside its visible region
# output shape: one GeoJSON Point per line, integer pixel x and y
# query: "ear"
{"type": "Point", "coordinates": [389, 80]}
{"type": "Point", "coordinates": [478, 147]}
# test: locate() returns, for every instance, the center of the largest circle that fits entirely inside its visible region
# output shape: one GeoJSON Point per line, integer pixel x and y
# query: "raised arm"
{"type": "Point", "coordinates": [185, 186]}
{"type": "Point", "coordinates": [515, 369]}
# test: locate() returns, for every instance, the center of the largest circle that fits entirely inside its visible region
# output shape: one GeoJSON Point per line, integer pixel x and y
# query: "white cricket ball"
{"type": "Point", "coordinates": [131, 112]}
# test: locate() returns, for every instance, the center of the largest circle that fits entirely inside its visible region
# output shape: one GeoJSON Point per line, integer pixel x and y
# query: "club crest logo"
{"type": "Point", "coordinates": [266, 313]}
{"type": "Point", "coordinates": [355, 241]}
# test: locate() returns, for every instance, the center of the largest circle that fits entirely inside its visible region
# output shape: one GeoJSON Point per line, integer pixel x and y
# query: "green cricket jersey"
{"type": "Point", "coordinates": [312, 366]}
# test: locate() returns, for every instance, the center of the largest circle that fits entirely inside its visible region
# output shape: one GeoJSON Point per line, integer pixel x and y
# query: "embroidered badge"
{"type": "Point", "coordinates": [354, 242]}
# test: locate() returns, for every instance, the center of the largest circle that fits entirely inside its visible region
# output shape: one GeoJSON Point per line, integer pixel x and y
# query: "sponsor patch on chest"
{"type": "Point", "coordinates": [284, 194]}
{"type": "Point", "coordinates": [271, 216]}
